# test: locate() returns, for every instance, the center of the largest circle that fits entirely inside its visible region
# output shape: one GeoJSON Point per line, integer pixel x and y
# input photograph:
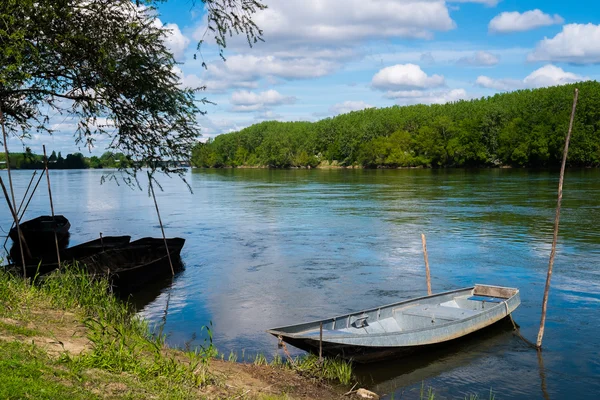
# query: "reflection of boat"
{"type": "Point", "coordinates": [400, 328]}
{"type": "Point", "coordinates": [388, 376]}
{"type": "Point", "coordinates": [175, 244]}
{"type": "Point", "coordinates": [39, 232]}
{"type": "Point", "coordinates": [131, 266]}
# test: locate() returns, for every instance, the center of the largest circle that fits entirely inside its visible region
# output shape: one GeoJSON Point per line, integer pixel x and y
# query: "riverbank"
{"type": "Point", "coordinates": [67, 338]}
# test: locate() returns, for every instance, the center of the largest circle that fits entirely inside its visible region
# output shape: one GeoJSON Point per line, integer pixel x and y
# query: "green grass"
{"type": "Point", "coordinates": [18, 330]}
{"type": "Point", "coordinates": [331, 369]}
{"type": "Point", "coordinates": [122, 344]}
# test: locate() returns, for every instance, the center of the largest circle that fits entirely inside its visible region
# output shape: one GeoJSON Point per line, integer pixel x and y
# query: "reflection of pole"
{"type": "Point", "coordinates": [556, 221]}
{"type": "Point", "coordinates": [160, 222]}
{"type": "Point", "coordinates": [12, 192]}
{"type": "Point", "coordinates": [427, 272]}
{"type": "Point", "coordinates": [542, 376]}
{"type": "Point", "coordinates": [51, 206]}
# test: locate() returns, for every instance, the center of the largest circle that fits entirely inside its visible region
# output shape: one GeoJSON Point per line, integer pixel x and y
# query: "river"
{"type": "Point", "coordinates": [267, 248]}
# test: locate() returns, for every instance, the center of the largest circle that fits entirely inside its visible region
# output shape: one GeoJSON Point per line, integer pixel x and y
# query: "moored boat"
{"type": "Point", "coordinates": [94, 246]}
{"type": "Point", "coordinates": [131, 266]}
{"type": "Point", "coordinates": [174, 244]}
{"type": "Point", "coordinates": [39, 232]}
{"type": "Point", "coordinates": [402, 328]}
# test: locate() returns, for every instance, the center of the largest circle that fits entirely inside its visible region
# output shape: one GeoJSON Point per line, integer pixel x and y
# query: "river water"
{"type": "Point", "coordinates": [267, 248]}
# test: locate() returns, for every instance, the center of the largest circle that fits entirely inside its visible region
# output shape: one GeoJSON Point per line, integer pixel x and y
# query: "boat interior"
{"type": "Point", "coordinates": [422, 313]}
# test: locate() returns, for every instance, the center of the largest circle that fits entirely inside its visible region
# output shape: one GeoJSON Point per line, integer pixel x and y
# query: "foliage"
{"type": "Point", "coordinates": [522, 128]}
{"type": "Point", "coordinates": [104, 63]}
{"type": "Point", "coordinates": [29, 160]}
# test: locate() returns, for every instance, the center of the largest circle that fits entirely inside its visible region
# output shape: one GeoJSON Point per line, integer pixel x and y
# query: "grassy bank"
{"type": "Point", "coordinates": [68, 338]}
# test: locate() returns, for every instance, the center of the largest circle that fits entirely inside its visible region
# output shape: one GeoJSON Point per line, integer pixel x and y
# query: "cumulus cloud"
{"type": "Point", "coordinates": [548, 75]}
{"type": "Point", "coordinates": [479, 59]}
{"type": "Point", "coordinates": [507, 22]}
{"type": "Point", "coordinates": [405, 97]}
{"type": "Point", "coordinates": [576, 43]}
{"type": "Point", "coordinates": [340, 21]}
{"type": "Point", "coordinates": [245, 71]}
{"type": "Point", "coordinates": [246, 101]}
{"type": "Point", "coordinates": [175, 41]}
{"type": "Point", "coordinates": [489, 3]}
{"type": "Point", "coordinates": [348, 106]}
{"type": "Point", "coordinates": [405, 77]}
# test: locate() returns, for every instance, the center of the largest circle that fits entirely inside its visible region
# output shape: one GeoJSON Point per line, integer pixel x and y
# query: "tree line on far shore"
{"type": "Point", "coordinates": [29, 160]}
{"type": "Point", "coordinates": [521, 128]}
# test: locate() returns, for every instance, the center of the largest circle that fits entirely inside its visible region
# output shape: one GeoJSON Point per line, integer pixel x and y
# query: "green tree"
{"type": "Point", "coordinates": [105, 63]}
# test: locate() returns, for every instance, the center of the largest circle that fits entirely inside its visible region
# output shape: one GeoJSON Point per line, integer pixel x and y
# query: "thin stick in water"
{"type": "Point", "coordinates": [12, 193]}
{"type": "Point", "coordinates": [12, 211]}
{"type": "Point", "coordinates": [160, 222]}
{"type": "Point", "coordinates": [321, 343]}
{"type": "Point", "coordinates": [51, 206]}
{"type": "Point", "coordinates": [21, 205]}
{"type": "Point", "coordinates": [427, 272]}
{"type": "Point", "coordinates": [556, 221]}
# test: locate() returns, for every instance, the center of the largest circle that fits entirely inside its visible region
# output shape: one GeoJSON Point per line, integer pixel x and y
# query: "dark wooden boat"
{"type": "Point", "coordinates": [131, 266]}
{"type": "Point", "coordinates": [175, 244]}
{"type": "Point", "coordinates": [405, 327]}
{"type": "Point", "coordinates": [94, 246]}
{"type": "Point", "coordinates": [39, 232]}
{"type": "Point", "coordinates": [47, 263]}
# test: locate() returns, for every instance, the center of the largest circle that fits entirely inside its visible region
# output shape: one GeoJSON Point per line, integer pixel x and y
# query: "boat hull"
{"type": "Point", "coordinates": [405, 327]}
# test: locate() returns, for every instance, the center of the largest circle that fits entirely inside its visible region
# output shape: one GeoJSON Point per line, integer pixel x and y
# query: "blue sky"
{"type": "Point", "coordinates": [325, 57]}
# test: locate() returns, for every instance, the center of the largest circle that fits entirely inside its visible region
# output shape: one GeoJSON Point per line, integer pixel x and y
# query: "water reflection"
{"type": "Point", "coordinates": [270, 248]}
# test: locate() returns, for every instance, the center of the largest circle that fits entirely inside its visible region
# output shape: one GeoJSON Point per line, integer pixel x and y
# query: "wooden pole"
{"type": "Point", "coordinates": [12, 211]}
{"type": "Point", "coordinates": [427, 272]}
{"type": "Point", "coordinates": [556, 221]}
{"type": "Point", "coordinates": [51, 205]}
{"type": "Point", "coordinates": [161, 224]}
{"type": "Point", "coordinates": [31, 197]}
{"type": "Point", "coordinates": [321, 343]}
{"type": "Point", "coordinates": [12, 192]}
{"type": "Point", "coordinates": [21, 205]}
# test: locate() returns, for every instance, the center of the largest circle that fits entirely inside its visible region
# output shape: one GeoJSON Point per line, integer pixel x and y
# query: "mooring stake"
{"type": "Point", "coordinates": [427, 272]}
{"type": "Point", "coordinates": [160, 222]}
{"type": "Point", "coordinates": [556, 221]}
{"type": "Point", "coordinates": [51, 206]}
{"type": "Point", "coordinates": [12, 193]}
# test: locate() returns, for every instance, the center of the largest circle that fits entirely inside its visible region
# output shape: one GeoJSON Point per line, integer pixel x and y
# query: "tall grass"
{"type": "Point", "coordinates": [121, 341]}
{"type": "Point", "coordinates": [333, 369]}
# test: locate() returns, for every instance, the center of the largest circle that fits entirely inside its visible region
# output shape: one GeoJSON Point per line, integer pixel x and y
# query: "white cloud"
{"type": "Point", "coordinates": [245, 71]}
{"type": "Point", "coordinates": [507, 22]}
{"type": "Point", "coordinates": [245, 101]}
{"type": "Point", "coordinates": [548, 75]}
{"type": "Point", "coordinates": [489, 3]}
{"type": "Point", "coordinates": [480, 59]}
{"type": "Point", "coordinates": [329, 22]}
{"type": "Point", "coordinates": [577, 43]}
{"type": "Point", "coordinates": [175, 40]}
{"type": "Point", "coordinates": [427, 97]}
{"type": "Point", "coordinates": [498, 84]}
{"type": "Point", "coordinates": [348, 106]}
{"type": "Point", "coordinates": [405, 77]}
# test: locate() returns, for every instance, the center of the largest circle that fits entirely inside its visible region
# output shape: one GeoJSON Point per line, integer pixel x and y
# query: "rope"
{"type": "Point", "coordinates": [516, 330]}
{"type": "Point", "coordinates": [282, 345]}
